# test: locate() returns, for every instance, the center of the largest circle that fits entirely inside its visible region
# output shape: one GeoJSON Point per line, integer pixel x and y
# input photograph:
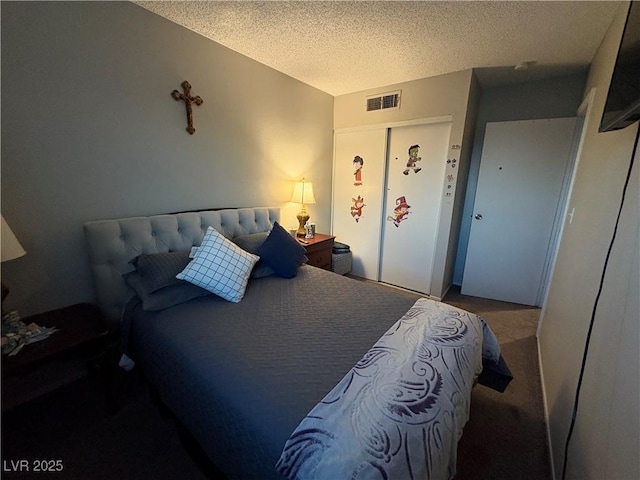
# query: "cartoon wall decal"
{"type": "Point", "coordinates": [358, 162]}
{"type": "Point", "coordinates": [356, 208]}
{"type": "Point", "coordinates": [413, 158]}
{"type": "Point", "coordinates": [400, 212]}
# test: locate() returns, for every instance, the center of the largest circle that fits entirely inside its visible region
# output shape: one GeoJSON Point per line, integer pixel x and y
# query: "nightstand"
{"type": "Point", "coordinates": [318, 250]}
{"type": "Point", "coordinates": [81, 337]}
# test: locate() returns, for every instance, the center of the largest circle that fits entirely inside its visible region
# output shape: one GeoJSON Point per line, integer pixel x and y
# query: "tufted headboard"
{"type": "Point", "coordinates": [113, 243]}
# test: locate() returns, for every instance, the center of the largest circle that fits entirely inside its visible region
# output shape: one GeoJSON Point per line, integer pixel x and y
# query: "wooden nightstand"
{"type": "Point", "coordinates": [318, 250]}
{"type": "Point", "coordinates": [81, 336]}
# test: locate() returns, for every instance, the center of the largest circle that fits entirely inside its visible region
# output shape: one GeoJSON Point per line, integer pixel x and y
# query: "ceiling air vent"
{"type": "Point", "coordinates": [383, 101]}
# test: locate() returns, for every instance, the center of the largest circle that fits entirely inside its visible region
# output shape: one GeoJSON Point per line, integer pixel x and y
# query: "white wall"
{"type": "Point", "coordinates": [90, 131]}
{"type": "Point", "coordinates": [606, 439]}
{"type": "Point", "coordinates": [451, 94]}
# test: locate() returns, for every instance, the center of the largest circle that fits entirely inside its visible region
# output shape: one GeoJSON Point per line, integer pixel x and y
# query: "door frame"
{"type": "Point", "coordinates": [403, 123]}
{"type": "Point", "coordinates": [584, 115]}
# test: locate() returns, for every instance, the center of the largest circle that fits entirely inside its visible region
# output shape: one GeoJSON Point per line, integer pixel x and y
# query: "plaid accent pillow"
{"type": "Point", "coordinates": [220, 266]}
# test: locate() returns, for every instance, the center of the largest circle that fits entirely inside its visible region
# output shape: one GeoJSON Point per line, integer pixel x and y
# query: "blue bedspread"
{"type": "Point", "coordinates": [400, 411]}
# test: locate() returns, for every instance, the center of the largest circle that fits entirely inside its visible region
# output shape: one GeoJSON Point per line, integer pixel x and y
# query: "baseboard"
{"type": "Point", "coordinates": [546, 409]}
{"type": "Point", "coordinates": [395, 287]}
{"type": "Point", "coordinates": [446, 290]}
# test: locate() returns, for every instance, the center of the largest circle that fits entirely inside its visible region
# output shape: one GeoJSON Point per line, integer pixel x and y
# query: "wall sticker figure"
{"type": "Point", "coordinates": [358, 162]}
{"type": "Point", "coordinates": [356, 208]}
{"type": "Point", "coordinates": [413, 158]}
{"type": "Point", "coordinates": [400, 212]}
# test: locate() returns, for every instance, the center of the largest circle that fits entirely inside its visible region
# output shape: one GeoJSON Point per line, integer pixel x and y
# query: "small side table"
{"type": "Point", "coordinates": [318, 250]}
{"type": "Point", "coordinates": [81, 335]}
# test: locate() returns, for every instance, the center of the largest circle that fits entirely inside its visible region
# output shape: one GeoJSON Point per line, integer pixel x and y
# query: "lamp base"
{"type": "Point", "coordinates": [302, 220]}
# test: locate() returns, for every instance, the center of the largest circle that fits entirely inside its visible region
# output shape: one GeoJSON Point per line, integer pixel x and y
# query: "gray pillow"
{"type": "Point", "coordinates": [251, 243]}
{"type": "Point", "coordinates": [164, 297]}
{"type": "Point", "coordinates": [159, 270]}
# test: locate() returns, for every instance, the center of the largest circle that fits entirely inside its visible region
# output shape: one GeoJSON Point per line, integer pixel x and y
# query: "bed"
{"type": "Point", "coordinates": [312, 376]}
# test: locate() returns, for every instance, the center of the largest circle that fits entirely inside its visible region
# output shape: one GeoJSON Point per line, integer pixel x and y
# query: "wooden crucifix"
{"type": "Point", "coordinates": [188, 100]}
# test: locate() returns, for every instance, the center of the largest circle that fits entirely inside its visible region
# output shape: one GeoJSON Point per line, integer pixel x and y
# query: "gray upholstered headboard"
{"type": "Point", "coordinates": [113, 243]}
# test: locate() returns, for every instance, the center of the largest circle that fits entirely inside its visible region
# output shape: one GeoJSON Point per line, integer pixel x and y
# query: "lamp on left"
{"type": "Point", "coordinates": [303, 194]}
{"type": "Point", "coordinates": [10, 249]}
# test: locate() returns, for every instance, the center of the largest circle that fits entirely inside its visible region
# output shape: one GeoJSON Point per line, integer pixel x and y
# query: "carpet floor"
{"type": "Point", "coordinates": [504, 439]}
{"type": "Point", "coordinates": [506, 436]}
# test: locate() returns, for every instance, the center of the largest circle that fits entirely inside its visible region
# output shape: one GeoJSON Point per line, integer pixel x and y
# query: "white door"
{"type": "Point", "coordinates": [521, 175]}
{"type": "Point", "coordinates": [358, 186]}
{"type": "Point", "coordinates": [415, 176]}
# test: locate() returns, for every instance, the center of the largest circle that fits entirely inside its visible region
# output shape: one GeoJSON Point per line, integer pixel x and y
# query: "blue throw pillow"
{"type": "Point", "coordinates": [282, 252]}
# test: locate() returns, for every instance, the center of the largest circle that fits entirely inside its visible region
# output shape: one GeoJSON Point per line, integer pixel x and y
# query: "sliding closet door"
{"type": "Point", "coordinates": [415, 179]}
{"type": "Point", "coordinates": [358, 186]}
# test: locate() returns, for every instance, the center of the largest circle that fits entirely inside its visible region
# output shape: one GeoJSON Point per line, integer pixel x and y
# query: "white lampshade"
{"type": "Point", "coordinates": [11, 248]}
{"type": "Point", "coordinates": [303, 193]}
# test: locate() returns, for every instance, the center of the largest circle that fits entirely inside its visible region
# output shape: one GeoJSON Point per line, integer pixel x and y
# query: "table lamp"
{"type": "Point", "coordinates": [10, 249]}
{"type": "Point", "coordinates": [303, 194]}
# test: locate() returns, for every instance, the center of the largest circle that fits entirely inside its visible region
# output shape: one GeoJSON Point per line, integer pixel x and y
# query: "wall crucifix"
{"type": "Point", "coordinates": [188, 100]}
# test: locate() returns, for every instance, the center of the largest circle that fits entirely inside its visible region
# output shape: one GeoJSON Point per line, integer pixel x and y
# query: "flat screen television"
{"type": "Point", "coordinates": [623, 100]}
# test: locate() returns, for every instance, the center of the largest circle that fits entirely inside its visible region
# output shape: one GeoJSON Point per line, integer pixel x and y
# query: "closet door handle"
{"type": "Point", "coordinates": [478, 216]}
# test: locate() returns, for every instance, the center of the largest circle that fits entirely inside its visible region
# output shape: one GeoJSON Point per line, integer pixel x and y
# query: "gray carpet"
{"type": "Point", "coordinates": [72, 425]}
{"type": "Point", "coordinates": [504, 439]}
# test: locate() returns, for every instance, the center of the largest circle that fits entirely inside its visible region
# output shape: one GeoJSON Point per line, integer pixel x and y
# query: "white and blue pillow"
{"type": "Point", "coordinates": [220, 266]}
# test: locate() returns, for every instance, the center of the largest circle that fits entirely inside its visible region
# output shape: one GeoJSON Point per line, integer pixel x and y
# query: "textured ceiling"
{"type": "Point", "coordinates": [346, 46]}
